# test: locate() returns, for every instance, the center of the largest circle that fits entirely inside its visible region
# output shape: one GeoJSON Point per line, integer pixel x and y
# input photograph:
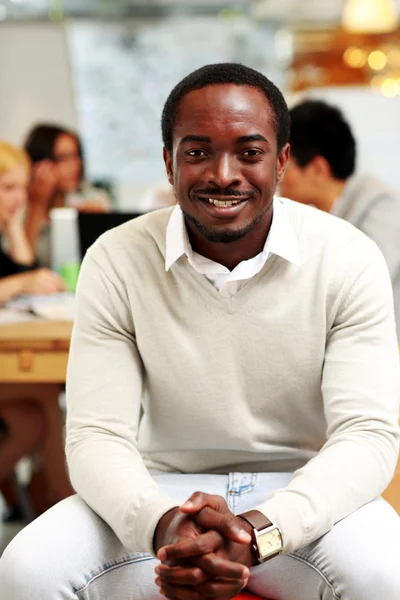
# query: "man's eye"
{"type": "Point", "coordinates": [250, 153]}
{"type": "Point", "coordinates": [196, 153]}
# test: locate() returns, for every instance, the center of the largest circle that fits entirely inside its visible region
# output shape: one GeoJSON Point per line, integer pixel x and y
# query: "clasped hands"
{"type": "Point", "coordinates": [204, 549]}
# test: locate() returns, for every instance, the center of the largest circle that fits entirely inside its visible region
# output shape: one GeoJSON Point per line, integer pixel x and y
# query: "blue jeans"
{"type": "Point", "coordinates": [69, 553]}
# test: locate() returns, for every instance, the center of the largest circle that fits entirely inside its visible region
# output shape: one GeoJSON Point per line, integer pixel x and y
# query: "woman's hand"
{"type": "Point", "coordinates": [41, 281]}
{"type": "Point", "coordinates": [18, 246]}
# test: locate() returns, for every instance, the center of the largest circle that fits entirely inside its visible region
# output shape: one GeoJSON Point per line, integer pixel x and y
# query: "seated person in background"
{"type": "Point", "coordinates": [321, 172]}
{"type": "Point", "coordinates": [268, 382]}
{"type": "Point", "coordinates": [21, 430]}
{"type": "Point", "coordinates": [158, 196]}
{"type": "Point", "coordinates": [57, 180]}
{"type": "Point", "coordinates": [18, 269]}
{"type": "Point", "coordinates": [22, 420]}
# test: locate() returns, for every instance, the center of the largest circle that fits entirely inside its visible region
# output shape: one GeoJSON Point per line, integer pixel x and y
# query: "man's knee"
{"type": "Point", "coordinates": [21, 571]}
{"type": "Point", "coordinates": [372, 581]}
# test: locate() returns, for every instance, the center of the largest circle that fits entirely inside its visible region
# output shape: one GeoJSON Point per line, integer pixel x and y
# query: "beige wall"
{"type": "Point", "coordinates": [35, 78]}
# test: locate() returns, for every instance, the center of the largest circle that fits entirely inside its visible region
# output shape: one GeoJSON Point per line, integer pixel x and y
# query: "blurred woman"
{"type": "Point", "coordinates": [25, 412]}
{"type": "Point", "coordinates": [18, 270]}
{"type": "Point", "coordinates": [57, 180]}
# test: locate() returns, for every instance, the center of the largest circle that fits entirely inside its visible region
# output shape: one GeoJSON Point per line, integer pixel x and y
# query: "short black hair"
{"type": "Point", "coordinates": [226, 73]}
{"type": "Point", "coordinates": [40, 141]}
{"type": "Point", "coordinates": [319, 129]}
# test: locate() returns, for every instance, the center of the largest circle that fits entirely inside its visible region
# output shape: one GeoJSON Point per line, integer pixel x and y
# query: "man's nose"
{"type": "Point", "coordinates": [224, 172]}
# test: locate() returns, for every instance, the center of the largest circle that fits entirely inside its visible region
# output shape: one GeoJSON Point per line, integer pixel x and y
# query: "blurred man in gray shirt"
{"type": "Point", "coordinates": [321, 173]}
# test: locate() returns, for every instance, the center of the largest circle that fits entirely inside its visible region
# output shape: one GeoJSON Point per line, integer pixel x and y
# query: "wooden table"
{"type": "Point", "coordinates": [34, 352]}
{"type": "Point", "coordinates": [33, 365]}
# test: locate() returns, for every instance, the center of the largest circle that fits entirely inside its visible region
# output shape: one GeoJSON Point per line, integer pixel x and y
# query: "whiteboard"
{"type": "Point", "coordinates": [123, 73]}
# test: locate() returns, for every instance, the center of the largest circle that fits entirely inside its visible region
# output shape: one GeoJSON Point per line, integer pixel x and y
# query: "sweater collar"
{"type": "Point", "coordinates": [281, 239]}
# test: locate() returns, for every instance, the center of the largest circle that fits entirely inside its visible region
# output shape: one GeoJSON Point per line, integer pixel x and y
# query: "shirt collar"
{"type": "Point", "coordinates": [281, 239]}
{"type": "Point", "coordinates": [177, 240]}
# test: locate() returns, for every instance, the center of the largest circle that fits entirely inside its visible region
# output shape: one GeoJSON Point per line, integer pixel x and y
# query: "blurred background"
{"type": "Point", "coordinates": [104, 68]}
{"type": "Point", "coordinates": [100, 71]}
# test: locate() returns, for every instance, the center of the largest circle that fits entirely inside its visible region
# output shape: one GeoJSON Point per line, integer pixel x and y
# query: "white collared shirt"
{"type": "Point", "coordinates": [281, 240]}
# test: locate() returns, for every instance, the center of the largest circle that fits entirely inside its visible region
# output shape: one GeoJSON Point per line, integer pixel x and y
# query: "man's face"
{"type": "Point", "coordinates": [224, 164]}
{"type": "Point", "coordinates": [299, 183]}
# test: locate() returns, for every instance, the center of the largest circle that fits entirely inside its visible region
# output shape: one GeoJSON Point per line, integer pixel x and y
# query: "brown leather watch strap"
{"type": "Point", "coordinates": [256, 519]}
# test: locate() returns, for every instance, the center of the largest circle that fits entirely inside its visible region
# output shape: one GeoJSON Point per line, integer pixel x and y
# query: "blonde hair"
{"type": "Point", "coordinates": [10, 156]}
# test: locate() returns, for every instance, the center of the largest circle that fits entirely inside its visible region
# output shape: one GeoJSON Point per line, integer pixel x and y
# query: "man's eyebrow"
{"type": "Point", "coordinates": [195, 138]}
{"type": "Point", "coordinates": [254, 137]}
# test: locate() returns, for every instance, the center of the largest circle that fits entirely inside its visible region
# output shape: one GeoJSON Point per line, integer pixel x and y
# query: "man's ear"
{"type": "Point", "coordinates": [282, 162]}
{"type": "Point", "coordinates": [321, 167]}
{"type": "Point", "coordinates": [168, 165]}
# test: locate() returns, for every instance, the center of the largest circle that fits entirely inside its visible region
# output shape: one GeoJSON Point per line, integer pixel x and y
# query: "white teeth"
{"type": "Point", "coordinates": [223, 202]}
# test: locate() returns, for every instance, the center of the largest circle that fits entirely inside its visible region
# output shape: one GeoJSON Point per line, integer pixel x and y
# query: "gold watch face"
{"type": "Point", "coordinates": [269, 542]}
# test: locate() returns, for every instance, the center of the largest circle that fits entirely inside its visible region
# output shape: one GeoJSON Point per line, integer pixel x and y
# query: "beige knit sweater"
{"type": "Point", "coordinates": [297, 371]}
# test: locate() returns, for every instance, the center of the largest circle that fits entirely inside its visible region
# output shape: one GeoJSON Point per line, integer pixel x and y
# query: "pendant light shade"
{"type": "Point", "coordinates": [370, 16]}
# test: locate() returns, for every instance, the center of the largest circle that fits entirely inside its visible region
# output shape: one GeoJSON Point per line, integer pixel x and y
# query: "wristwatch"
{"type": "Point", "coordinates": [267, 537]}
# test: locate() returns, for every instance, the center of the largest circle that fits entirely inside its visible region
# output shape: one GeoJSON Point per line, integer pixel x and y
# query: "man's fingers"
{"type": "Point", "coordinates": [180, 575]}
{"type": "Point", "coordinates": [177, 592]}
{"type": "Point", "coordinates": [205, 567]}
{"type": "Point", "coordinates": [212, 512]}
{"type": "Point", "coordinates": [215, 566]}
{"type": "Point", "coordinates": [199, 500]}
{"type": "Point", "coordinates": [225, 523]}
{"type": "Point", "coordinates": [203, 544]}
{"type": "Point", "coordinates": [221, 590]}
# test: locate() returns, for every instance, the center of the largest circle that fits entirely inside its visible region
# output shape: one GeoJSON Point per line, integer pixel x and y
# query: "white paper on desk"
{"type": "Point", "coordinates": [8, 316]}
{"type": "Point", "coordinates": [57, 307]}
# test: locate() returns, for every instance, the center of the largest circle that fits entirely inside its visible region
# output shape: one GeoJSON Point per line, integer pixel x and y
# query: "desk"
{"type": "Point", "coordinates": [33, 364]}
{"type": "Point", "coordinates": [34, 352]}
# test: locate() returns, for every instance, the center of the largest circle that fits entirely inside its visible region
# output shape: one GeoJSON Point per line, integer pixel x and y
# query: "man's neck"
{"type": "Point", "coordinates": [232, 253]}
{"type": "Point", "coordinates": [331, 193]}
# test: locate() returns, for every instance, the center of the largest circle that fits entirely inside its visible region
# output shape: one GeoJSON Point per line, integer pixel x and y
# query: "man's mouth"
{"type": "Point", "coordinates": [223, 203]}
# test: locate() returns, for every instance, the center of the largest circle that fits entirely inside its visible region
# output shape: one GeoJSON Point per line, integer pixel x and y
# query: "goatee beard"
{"type": "Point", "coordinates": [221, 236]}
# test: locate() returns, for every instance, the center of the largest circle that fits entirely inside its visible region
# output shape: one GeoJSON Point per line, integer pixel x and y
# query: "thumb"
{"type": "Point", "coordinates": [200, 500]}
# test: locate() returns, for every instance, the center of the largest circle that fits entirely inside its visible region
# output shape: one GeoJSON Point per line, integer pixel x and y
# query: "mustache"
{"type": "Point", "coordinates": [224, 192]}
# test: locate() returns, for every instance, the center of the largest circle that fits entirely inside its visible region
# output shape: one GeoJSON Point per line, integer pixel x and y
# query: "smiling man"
{"type": "Point", "coordinates": [232, 386]}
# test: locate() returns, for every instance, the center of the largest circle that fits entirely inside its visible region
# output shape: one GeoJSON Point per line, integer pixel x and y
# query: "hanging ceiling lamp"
{"type": "Point", "coordinates": [370, 16]}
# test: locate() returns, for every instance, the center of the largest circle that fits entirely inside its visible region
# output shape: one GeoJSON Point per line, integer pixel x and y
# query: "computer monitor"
{"type": "Point", "coordinates": [92, 225]}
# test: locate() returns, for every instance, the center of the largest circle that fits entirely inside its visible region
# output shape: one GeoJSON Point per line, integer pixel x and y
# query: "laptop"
{"type": "Point", "coordinates": [73, 232]}
{"type": "Point", "coordinates": [92, 225]}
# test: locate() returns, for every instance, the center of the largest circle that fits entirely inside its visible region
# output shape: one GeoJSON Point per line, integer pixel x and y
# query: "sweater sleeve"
{"type": "Point", "coordinates": [381, 223]}
{"type": "Point", "coordinates": [104, 386]}
{"type": "Point", "coordinates": [8, 266]}
{"type": "Point", "coordinates": [360, 387]}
